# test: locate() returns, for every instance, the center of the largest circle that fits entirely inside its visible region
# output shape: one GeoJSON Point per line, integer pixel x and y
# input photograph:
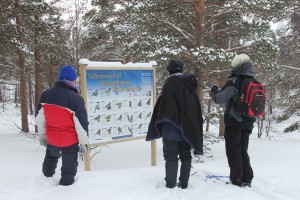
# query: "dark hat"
{"type": "Point", "coordinates": [68, 73]}
{"type": "Point", "coordinates": [175, 66]}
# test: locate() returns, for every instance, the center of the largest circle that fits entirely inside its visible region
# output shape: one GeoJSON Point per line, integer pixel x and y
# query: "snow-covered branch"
{"type": "Point", "coordinates": [186, 35]}
{"type": "Point", "coordinates": [289, 67]}
{"type": "Point", "coordinates": [218, 16]}
{"type": "Point", "coordinates": [238, 48]}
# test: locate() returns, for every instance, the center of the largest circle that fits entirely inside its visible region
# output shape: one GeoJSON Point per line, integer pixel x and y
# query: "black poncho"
{"type": "Point", "coordinates": [179, 105]}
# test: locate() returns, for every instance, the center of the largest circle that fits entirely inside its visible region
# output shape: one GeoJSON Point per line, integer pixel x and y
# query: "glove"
{"type": "Point", "coordinates": [82, 149]}
{"type": "Point", "coordinates": [43, 140]}
{"type": "Point", "coordinates": [214, 89]}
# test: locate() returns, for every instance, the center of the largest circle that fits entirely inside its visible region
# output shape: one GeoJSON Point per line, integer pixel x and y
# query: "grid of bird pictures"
{"type": "Point", "coordinates": [114, 116]}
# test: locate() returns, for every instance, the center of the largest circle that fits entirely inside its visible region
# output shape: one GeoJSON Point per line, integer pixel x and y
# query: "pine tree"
{"type": "Point", "coordinates": [205, 34]}
{"type": "Point", "coordinates": [101, 38]}
{"type": "Point", "coordinates": [25, 26]}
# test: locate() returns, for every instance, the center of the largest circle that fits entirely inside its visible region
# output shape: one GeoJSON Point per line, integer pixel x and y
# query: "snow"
{"type": "Point", "coordinates": [123, 171]}
{"type": "Point", "coordinates": [96, 64]}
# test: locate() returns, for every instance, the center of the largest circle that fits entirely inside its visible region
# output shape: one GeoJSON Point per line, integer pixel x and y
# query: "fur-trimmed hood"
{"type": "Point", "coordinates": [242, 65]}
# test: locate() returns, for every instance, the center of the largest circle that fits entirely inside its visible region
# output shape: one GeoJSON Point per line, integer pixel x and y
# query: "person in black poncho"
{"type": "Point", "coordinates": [177, 118]}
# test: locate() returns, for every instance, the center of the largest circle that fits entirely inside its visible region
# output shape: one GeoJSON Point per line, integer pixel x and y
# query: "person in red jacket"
{"type": "Point", "coordinates": [61, 119]}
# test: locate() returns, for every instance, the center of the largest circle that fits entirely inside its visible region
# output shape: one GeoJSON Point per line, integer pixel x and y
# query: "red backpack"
{"type": "Point", "coordinates": [251, 99]}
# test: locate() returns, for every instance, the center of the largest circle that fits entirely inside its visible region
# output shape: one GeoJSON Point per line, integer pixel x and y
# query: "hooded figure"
{"type": "Point", "coordinates": [242, 66]}
{"type": "Point", "coordinates": [177, 118]}
{"type": "Point", "coordinates": [237, 127]}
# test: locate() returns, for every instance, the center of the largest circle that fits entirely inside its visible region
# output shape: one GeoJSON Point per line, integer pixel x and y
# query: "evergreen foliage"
{"type": "Point", "coordinates": [204, 34]}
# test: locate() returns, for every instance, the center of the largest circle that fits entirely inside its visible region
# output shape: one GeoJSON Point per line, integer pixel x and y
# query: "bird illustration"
{"type": "Point", "coordinates": [148, 116]}
{"type": "Point", "coordinates": [130, 130]}
{"type": "Point", "coordinates": [130, 118]}
{"type": "Point", "coordinates": [119, 104]}
{"type": "Point", "coordinates": [108, 91]}
{"type": "Point", "coordinates": [97, 107]}
{"type": "Point", "coordinates": [140, 103]}
{"type": "Point", "coordinates": [130, 104]}
{"type": "Point", "coordinates": [109, 131]}
{"type": "Point", "coordinates": [139, 127]}
{"type": "Point", "coordinates": [148, 101]}
{"type": "Point", "coordinates": [140, 115]}
{"type": "Point", "coordinates": [108, 118]}
{"type": "Point", "coordinates": [97, 118]}
{"type": "Point", "coordinates": [98, 132]}
{"type": "Point", "coordinates": [120, 117]}
{"type": "Point", "coordinates": [119, 130]}
{"type": "Point", "coordinates": [108, 106]}
{"type": "Point", "coordinates": [95, 93]}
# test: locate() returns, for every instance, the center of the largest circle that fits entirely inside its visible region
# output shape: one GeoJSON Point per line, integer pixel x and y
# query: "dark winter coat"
{"type": "Point", "coordinates": [230, 91]}
{"type": "Point", "coordinates": [62, 116]}
{"type": "Point", "coordinates": [178, 105]}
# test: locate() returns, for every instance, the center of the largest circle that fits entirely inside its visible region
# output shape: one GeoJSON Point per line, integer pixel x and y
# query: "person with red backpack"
{"type": "Point", "coordinates": [245, 100]}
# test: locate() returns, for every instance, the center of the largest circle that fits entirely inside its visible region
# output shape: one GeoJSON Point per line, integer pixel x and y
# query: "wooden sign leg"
{"type": "Point", "coordinates": [153, 153]}
{"type": "Point", "coordinates": [87, 160]}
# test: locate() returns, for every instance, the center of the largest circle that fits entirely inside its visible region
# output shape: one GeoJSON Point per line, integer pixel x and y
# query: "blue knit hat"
{"type": "Point", "coordinates": [68, 73]}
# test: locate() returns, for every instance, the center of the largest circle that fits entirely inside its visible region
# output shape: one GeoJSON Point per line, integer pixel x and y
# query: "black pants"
{"type": "Point", "coordinates": [69, 162]}
{"type": "Point", "coordinates": [171, 150]}
{"type": "Point", "coordinates": [236, 142]}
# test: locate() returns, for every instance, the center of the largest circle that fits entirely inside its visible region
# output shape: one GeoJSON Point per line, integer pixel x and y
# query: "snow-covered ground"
{"type": "Point", "coordinates": [123, 171]}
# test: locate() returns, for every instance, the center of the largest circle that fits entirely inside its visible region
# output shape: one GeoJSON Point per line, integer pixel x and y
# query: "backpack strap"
{"type": "Point", "coordinates": [239, 82]}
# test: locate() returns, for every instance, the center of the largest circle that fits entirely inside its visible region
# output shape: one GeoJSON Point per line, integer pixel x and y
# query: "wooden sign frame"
{"type": "Point", "coordinates": [119, 98]}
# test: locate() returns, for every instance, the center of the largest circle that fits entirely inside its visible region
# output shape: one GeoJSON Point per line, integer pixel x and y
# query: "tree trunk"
{"type": "Point", "coordinates": [221, 81]}
{"type": "Point", "coordinates": [1, 96]}
{"type": "Point", "coordinates": [208, 115]}
{"type": "Point", "coordinates": [222, 43]}
{"type": "Point", "coordinates": [30, 94]}
{"type": "Point", "coordinates": [77, 10]}
{"type": "Point", "coordinates": [16, 95]}
{"type": "Point", "coordinates": [21, 64]}
{"type": "Point", "coordinates": [37, 65]}
{"type": "Point", "coordinates": [200, 17]}
{"type": "Point", "coordinates": [50, 75]}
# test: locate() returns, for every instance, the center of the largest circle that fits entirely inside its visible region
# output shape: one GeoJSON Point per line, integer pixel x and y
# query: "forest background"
{"type": "Point", "coordinates": [37, 37]}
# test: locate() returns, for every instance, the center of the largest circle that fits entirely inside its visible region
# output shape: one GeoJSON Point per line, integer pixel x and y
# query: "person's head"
{"type": "Point", "coordinates": [175, 66]}
{"type": "Point", "coordinates": [67, 73]}
{"type": "Point", "coordinates": [241, 64]}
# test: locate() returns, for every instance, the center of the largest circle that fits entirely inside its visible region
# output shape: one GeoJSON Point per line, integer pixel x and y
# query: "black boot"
{"type": "Point", "coordinates": [246, 184]}
{"type": "Point", "coordinates": [182, 185]}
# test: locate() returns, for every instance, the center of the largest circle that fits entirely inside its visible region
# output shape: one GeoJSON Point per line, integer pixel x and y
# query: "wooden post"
{"type": "Point", "coordinates": [153, 153]}
{"type": "Point", "coordinates": [87, 160]}
{"type": "Point", "coordinates": [153, 142]}
{"type": "Point", "coordinates": [87, 157]}
{"type": "Point", "coordinates": [83, 83]}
